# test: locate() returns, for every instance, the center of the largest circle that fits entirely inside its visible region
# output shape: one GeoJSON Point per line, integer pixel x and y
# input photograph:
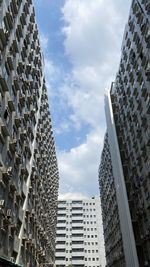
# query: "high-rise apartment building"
{"type": "Point", "coordinates": [79, 239]}
{"type": "Point", "coordinates": [111, 222]}
{"type": "Point", "coordinates": [28, 164]}
{"type": "Point", "coordinates": [127, 109]}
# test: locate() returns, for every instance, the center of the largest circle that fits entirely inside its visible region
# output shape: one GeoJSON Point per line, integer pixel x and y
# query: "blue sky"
{"type": "Point", "coordinates": [81, 41]}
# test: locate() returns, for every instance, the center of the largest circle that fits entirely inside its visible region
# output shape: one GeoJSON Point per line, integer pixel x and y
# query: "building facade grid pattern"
{"type": "Point", "coordinates": [79, 239]}
{"type": "Point", "coordinates": [28, 164]}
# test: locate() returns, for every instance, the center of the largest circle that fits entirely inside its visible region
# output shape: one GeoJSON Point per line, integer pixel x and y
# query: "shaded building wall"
{"type": "Point", "coordinates": [28, 164]}
{"type": "Point", "coordinates": [110, 214]}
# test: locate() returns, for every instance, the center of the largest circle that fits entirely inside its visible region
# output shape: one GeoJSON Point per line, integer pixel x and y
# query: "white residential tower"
{"type": "Point", "coordinates": [79, 238]}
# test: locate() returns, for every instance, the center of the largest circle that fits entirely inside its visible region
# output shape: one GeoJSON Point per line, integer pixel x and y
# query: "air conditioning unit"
{"type": "Point", "coordinates": [8, 214]}
{"type": "Point", "coordinates": [30, 236]}
{"type": "Point", "coordinates": [2, 203]}
{"type": "Point", "coordinates": [12, 259]}
{"type": "Point", "coordinates": [9, 170]}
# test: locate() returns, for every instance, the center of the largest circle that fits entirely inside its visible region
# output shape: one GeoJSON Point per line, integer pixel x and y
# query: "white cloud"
{"type": "Point", "coordinates": [78, 167]}
{"type": "Point", "coordinates": [92, 29]}
{"type": "Point", "coordinates": [93, 34]}
{"type": "Point", "coordinates": [71, 196]}
{"type": "Point", "coordinates": [44, 41]}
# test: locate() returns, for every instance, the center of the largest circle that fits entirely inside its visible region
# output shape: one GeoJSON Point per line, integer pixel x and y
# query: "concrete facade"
{"type": "Point", "coordinates": [79, 239]}
{"type": "Point", "coordinates": [110, 213]}
{"type": "Point", "coordinates": [28, 164]}
{"type": "Point", "coordinates": [127, 109]}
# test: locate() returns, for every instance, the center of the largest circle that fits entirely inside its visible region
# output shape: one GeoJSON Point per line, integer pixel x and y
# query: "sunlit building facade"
{"type": "Point", "coordinates": [79, 239]}
{"type": "Point", "coordinates": [28, 163]}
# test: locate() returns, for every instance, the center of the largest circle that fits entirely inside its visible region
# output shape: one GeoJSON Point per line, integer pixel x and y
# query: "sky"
{"type": "Point", "coordinates": [81, 42]}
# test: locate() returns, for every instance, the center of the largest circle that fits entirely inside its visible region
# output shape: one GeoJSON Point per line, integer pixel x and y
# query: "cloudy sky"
{"type": "Point", "coordinates": [81, 41]}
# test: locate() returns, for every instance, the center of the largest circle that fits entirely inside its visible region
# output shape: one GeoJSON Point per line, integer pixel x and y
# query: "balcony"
{"type": "Point", "coordinates": [15, 45]}
{"type": "Point", "coordinates": [17, 121]}
{"type": "Point", "coordinates": [12, 186]}
{"type": "Point", "coordinates": [20, 30]}
{"type": "Point", "coordinates": [5, 127]}
{"type": "Point", "coordinates": [3, 83]}
{"type": "Point", "coordinates": [14, 6]}
{"type": "Point", "coordinates": [30, 130]}
{"type": "Point", "coordinates": [11, 105]}
{"type": "Point", "coordinates": [10, 61]}
{"type": "Point", "coordinates": [3, 35]}
{"type": "Point", "coordinates": [147, 39]}
{"type": "Point", "coordinates": [23, 135]}
{"type": "Point", "coordinates": [22, 98]}
{"type": "Point", "coordinates": [17, 158]}
{"type": "Point", "coordinates": [24, 168]}
{"type": "Point", "coordinates": [148, 106]}
{"type": "Point", "coordinates": [147, 72]}
{"type": "Point", "coordinates": [12, 145]}
{"type": "Point", "coordinates": [143, 90]}
{"type": "Point", "coordinates": [9, 19]}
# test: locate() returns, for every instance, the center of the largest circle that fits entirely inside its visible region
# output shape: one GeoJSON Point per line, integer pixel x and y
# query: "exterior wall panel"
{"type": "Point", "coordinates": [28, 164]}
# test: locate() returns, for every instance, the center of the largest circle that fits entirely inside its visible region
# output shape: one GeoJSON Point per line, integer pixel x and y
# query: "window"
{"type": "Point", "coordinates": [61, 215]}
{"type": "Point", "coordinates": [78, 242]}
{"type": "Point", "coordinates": [60, 249]}
{"type": "Point", "coordinates": [77, 258]}
{"type": "Point", "coordinates": [77, 249]}
{"type": "Point", "coordinates": [61, 208]}
{"type": "Point", "coordinates": [60, 242]}
{"type": "Point", "coordinates": [1, 146]}
{"type": "Point", "coordinates": [61, 235]}
{"type": "Point", "coordinates": [79, 235]}
{"type": "Point", "coordinates": [77, 228]}
{"type": "Point", "coordinates": [61, 228]}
